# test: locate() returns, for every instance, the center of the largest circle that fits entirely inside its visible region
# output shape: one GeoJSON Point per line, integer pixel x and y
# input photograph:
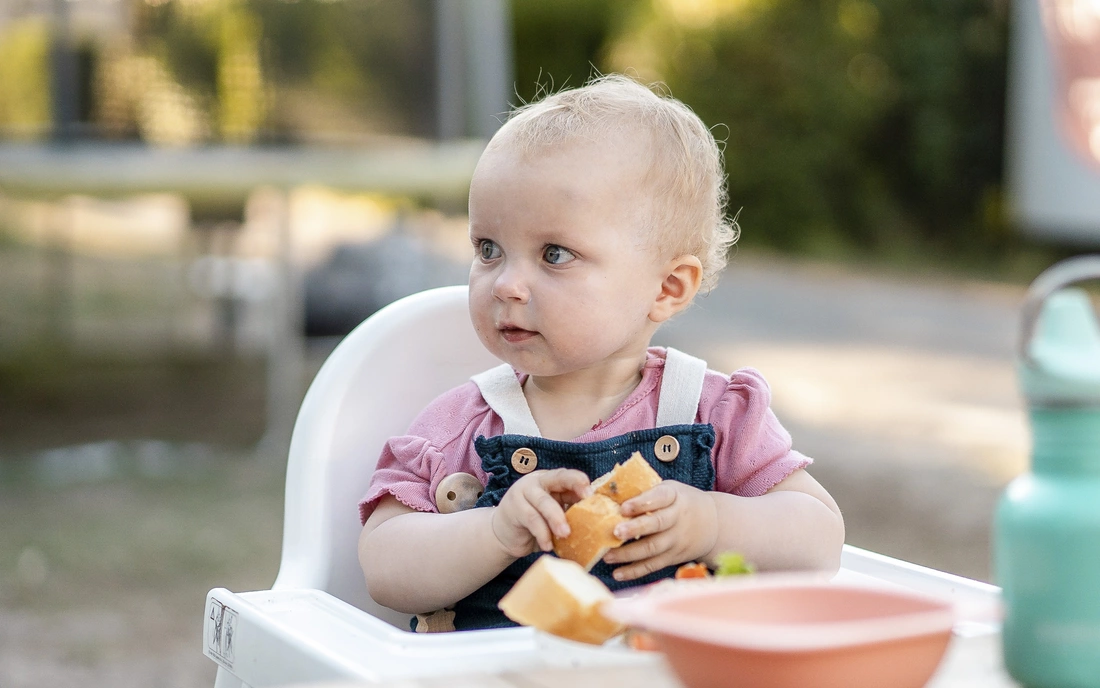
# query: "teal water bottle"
{"type": "Point", "coordinates": [1046, 542]}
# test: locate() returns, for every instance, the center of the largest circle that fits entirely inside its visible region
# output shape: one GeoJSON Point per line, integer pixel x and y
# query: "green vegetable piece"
{"type": "Point", "coordinates": [733, 564]}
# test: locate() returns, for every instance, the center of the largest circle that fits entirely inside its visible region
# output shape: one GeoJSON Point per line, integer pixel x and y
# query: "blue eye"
{"type": "Point", "coordinates": [488, 250]}
{"type": "Point", "coordinates": [556, 255]}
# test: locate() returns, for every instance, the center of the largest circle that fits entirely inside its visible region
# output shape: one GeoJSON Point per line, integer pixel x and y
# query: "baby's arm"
{"type": "Point", "coordinates": [418, 562]}
{"type": "Point", "coordinates": [406, 554]}
{"type": "Point", "coordinates": [795, 525]}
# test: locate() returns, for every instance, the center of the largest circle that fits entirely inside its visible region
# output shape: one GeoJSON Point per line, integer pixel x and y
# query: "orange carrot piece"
{"type": "Point", "coordinates": [693, 570]}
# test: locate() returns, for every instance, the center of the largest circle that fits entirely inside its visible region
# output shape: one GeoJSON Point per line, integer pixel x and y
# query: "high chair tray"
{"type": "Point", "coordinates": [275, 637]}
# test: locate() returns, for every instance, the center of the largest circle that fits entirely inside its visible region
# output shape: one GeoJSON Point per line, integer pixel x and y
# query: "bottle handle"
{"type": "Point", "coordinates": [1052, 279]}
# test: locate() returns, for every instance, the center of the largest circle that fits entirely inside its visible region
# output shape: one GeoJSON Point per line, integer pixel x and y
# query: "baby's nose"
{"type": "Point", "coordinates": [511, 285]}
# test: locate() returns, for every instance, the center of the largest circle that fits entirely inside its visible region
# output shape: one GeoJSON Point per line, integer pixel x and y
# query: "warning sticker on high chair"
{"type": "Point", "coordinates": [221, 625]}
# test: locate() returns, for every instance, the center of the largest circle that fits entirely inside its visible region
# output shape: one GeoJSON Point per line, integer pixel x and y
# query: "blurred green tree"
{"type": "Point", "coordinates": [849, 125]}
{"type": "Point", "coordinates": [353, 67]}
{"type": "Point", "coordinates": [24, 78]}
{"type": "Point", "coordinates": [244, 70]}
{"type": "Point", "coordinates": [561, 43]}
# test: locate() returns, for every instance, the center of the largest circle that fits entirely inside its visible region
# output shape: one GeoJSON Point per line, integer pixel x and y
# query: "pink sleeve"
{"type": "Point", "coordinates": [405, 470]}
{"type": "Point", "coordinates": [439, 442]}
{"type": "Point", "coordinates": [752, 451]}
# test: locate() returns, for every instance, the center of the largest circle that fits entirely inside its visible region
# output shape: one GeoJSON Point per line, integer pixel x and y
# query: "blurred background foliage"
{"type": "Point", "coordinates": [24, 77]}
{"type": "Point", "coordinates": [851, 127]}
{"type": "Point", "coordinates": [254, 70]}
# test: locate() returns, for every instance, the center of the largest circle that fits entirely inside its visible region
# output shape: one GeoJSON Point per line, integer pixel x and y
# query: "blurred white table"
{"type": "Point", "coordinates": [970, 662]}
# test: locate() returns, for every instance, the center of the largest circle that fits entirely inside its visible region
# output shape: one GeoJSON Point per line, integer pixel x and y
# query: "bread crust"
{"type": "Point", "coordinates": [592, 523]}
{"type": "Point", "coordinates": [627, 480]}
{"type": "Point", "coordinates": [593, 519]}
{"type": "Point", "coordinates": [559, 596]}
{"type": "Point", "coordinates": [553, 596]}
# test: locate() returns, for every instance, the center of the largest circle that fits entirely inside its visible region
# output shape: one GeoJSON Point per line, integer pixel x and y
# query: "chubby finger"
{"type": "Point", "coordinates": [647, 524]}
{"type": "Point", "coordinates": [637, 550]}
{"type": "Point", "coordinates": [660, 496]}
{"type": "Point", "coordinates": [566, 480]}
{"type": "Point", "coordinates": [551, 513]}
{"type": "Point", "coordinates": [644, 566]}
{"type": "Point", "coordinates": [636, 570]}
{"type": "Point", "coordinates": [533, 521]}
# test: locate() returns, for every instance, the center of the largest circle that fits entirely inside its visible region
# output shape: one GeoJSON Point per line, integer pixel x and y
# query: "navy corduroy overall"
{"type": "Point", "coordinates": [508, 457]}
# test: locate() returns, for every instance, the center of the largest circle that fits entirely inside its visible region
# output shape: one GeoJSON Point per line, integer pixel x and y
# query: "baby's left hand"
{"type": "Point", "coordinates": [674, 522]}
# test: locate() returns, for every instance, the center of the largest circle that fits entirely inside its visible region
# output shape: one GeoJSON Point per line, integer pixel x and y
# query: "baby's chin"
{"type": "Point", "coordinates": [553, 368]}
{"type": "Point", "coordinates": [537, 357]}
{"type": "Point", "coordinates": [528, 363]}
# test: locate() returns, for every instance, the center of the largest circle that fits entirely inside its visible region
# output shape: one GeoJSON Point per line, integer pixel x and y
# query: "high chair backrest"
{"type": "Point", "coordinates": [369, 389]}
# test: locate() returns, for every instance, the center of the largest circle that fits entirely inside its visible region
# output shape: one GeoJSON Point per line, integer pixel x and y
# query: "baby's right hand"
{"type": "Point", "coordinates": [534, 506]}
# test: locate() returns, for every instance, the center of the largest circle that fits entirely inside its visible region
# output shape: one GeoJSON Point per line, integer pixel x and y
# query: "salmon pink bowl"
{"type": "Point", "coordinates": [792, 632]}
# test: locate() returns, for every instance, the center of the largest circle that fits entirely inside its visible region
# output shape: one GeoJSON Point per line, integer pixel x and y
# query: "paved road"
{"type": "Point", "coordinates": [903, 391]}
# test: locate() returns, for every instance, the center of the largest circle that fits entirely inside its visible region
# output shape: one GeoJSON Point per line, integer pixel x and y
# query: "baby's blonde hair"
{"type": "Point", "coordinates": [686, 169]}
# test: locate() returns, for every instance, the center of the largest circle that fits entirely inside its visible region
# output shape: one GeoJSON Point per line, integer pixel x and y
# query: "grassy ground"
{"type": "Point", "coordinates": [52, 398]}
{"type": "Point", "coordinates": [103, 584]}
{"type": "Point", "coordinates": [111, 540]}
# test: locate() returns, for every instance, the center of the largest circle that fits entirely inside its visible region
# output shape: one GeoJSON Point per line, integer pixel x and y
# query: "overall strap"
{"type": "Point", "coordinates": [500, 389]}
{"type": "Point", "coordinates": [681, 388]}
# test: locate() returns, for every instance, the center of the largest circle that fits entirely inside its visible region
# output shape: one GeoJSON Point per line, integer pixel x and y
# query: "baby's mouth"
{"type": "Point", "coordinates": [516, 334]}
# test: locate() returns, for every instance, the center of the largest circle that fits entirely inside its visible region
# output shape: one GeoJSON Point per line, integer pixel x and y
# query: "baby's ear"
{"type": "Point", "coordinates": [683, 275]}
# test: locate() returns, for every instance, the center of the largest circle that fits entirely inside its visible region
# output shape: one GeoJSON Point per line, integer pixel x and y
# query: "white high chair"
{"type": "Point", "coordinates": [318, 622]}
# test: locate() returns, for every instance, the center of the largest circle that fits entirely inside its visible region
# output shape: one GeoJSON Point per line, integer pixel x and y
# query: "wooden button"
{"type": "Point", "coordinates": [457, 492]}
{"type": "Point", "coordinates": [441, 621]}
{"type": "Point", "coordinates": [524, 460]}
{"type": "Point", "coordinates": [666, 448]}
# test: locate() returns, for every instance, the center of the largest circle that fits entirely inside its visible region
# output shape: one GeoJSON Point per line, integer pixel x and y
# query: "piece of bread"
{"type": "Point", "coordinates": [592, 520]}
{"type": "Point", "coordinates": [628, 480]}
{"type": "Point", "coordinates": [559, 597]}
{"type": "Point", "coordinates": [591, 524]}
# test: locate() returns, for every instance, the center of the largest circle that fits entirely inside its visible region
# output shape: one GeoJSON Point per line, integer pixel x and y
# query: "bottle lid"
{"type": "Point", "coordinates": [1060, 349]}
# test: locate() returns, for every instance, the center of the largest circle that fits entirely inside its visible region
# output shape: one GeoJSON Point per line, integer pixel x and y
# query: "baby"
{"type": "Point", "coordinates": [596, 214]}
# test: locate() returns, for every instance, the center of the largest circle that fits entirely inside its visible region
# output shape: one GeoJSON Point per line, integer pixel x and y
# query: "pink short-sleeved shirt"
{"type": "Point", "coordinates": [752, 451]}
